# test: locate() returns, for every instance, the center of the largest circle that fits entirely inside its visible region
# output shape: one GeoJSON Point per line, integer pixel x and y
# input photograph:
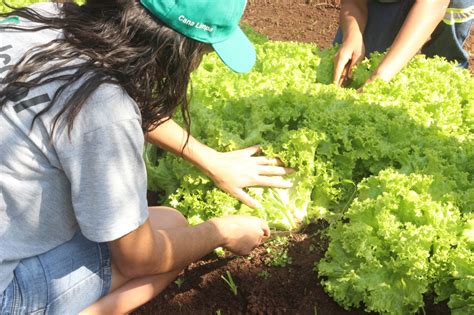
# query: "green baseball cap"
{"type": "Point", "coordinates": [212, 22]}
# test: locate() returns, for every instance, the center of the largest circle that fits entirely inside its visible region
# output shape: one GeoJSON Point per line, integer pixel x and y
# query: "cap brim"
{"type": "Point", "coordinates": [237, 52]}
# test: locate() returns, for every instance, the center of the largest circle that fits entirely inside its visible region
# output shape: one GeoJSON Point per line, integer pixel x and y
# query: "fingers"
{"type": "Point", "coordinates": [265, 233]}
{"type": "Point", "coordinates": [356, 58]}
{"type": "Point", "coordinates": [272, 181]}
{"type": "Point", "coordinates": [266, 229]}
{"type": "Point", "coordinates": [340, 68]}
{"type": "Point", "coordinates": [274, 170]}
{"type": "Point", "coordinates": [345, 73]}
{"type": "Point", "coordinates": [245, 198]}
{"type": "Point", "coordinates": [248, 151]}
{"type": "Point", "coordinates": [263, 160]}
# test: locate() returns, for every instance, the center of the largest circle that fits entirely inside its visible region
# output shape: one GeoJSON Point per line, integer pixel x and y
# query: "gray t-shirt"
{"type": "Point", "coordinates": [93, 180]}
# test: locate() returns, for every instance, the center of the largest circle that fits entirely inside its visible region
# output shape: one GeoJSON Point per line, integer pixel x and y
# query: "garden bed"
{"type": "Point", "coordinates": [264, 285]}
{"type": "Point", "coordinates": [278, 277]}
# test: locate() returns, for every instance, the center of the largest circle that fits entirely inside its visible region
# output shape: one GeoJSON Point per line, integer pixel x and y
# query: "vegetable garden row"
{"type": "Point", "coordinates": [391, 169]}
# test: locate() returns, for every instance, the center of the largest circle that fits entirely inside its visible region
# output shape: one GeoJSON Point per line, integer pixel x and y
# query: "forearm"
{"type": "Point", "coordinates": [420, 23]}
{"type": "Point", "coordinates": [171, 137]}
{"type": "Point", "coordinates": [230, 171]}
{"type": "Point", "coordinates": [353, 18]}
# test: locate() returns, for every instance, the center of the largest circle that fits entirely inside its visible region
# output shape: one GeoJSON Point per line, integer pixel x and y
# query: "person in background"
{"type": "Point", "coordinates": [81, 88]}
{"type": "Point", "coordinates": [436, 27]}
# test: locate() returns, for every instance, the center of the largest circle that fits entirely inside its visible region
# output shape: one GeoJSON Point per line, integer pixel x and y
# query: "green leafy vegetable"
{"type": "Point", "coordinates": [391, 168]}
{"type": "Point", "coordinates": [382, 253]}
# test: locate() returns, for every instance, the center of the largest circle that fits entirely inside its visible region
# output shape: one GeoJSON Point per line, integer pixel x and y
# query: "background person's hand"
{"type": "Point", "coordinates": [379, 74]}
{"type": "Point", "coordinates": [242, 233]}
{"type": "Point", "coordinates": [351, 52]}
{"type": "Point", "coordinates": [235, 170]}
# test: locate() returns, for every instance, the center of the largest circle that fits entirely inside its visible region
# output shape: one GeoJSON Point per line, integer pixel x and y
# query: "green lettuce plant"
{"type": "Point", "coordinates": [406, 146]}
{"type": "Point", "coordinates": [391, 168]}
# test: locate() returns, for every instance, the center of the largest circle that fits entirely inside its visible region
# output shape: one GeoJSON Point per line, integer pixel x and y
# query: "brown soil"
{"type": "Point", "coordinates": [262, 288]}
{"type": "Point", "coordinates": [295, 20]}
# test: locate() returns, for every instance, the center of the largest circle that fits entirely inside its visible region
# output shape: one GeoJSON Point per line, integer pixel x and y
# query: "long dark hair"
{"type": "Point", "coordinates": [115, 41]}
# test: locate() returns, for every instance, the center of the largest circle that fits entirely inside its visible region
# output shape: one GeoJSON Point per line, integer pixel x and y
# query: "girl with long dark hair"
{"type": "Point", "coordinates": [81, 88]}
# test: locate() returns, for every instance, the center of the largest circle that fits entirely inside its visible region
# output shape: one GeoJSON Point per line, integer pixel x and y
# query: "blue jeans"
{"type": "Point", "coordinates": [386, 19]}
{"type": "Point", "coordinates": [62, 281]}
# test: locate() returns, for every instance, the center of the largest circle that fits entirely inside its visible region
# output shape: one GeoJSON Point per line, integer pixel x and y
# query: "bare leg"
{"type": "Point", "coordinates": [129, 294]}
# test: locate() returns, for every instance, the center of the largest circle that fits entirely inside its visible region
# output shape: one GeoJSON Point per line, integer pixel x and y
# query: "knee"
{"type": "Point", "coordinates": [167, 218]}
{"type": "Point", "coordinates": [177, 218]}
